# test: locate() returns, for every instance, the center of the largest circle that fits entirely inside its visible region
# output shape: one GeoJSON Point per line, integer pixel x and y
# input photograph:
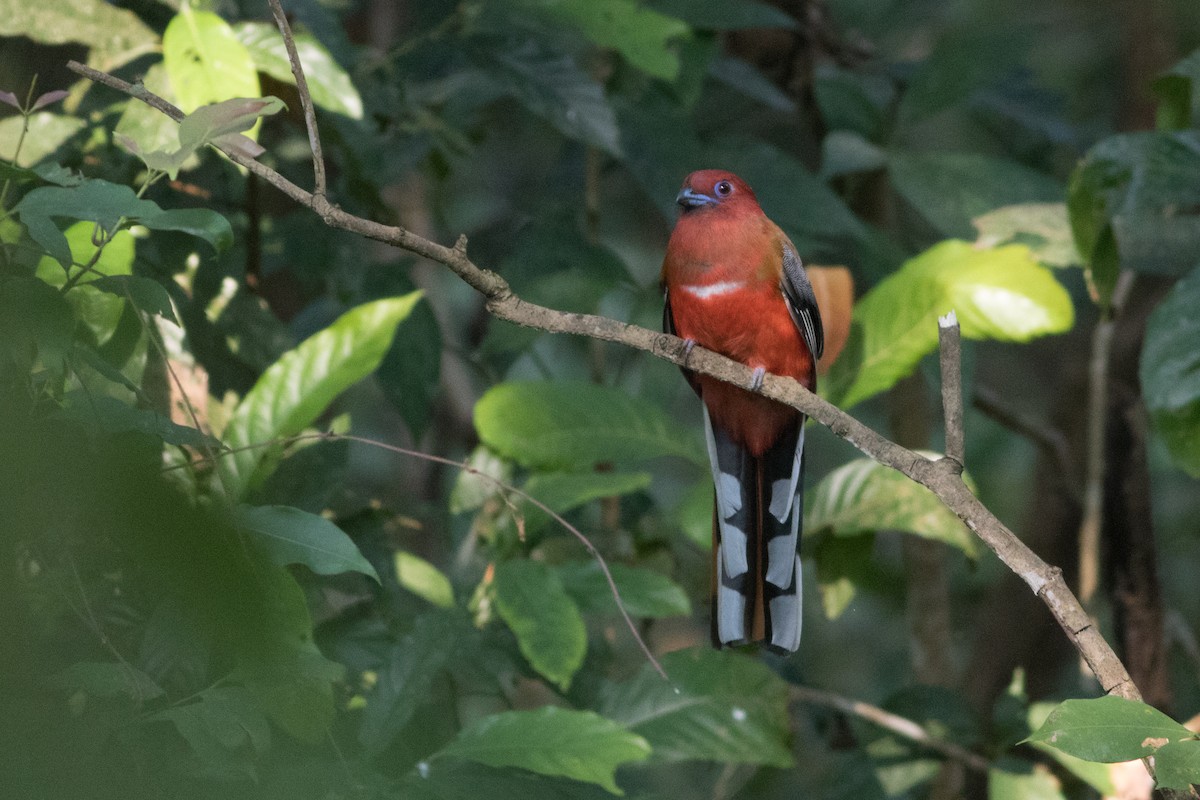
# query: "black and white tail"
{"type": "Point", "coordinates": [756, 529]}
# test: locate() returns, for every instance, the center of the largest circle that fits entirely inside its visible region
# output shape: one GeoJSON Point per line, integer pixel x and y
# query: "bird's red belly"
{"type": "Point", "coordinates": [755, 328]}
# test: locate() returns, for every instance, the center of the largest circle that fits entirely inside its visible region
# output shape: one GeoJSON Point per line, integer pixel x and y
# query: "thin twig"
{"type": "Point", "coordinates": [950, 353]}
{"type": "Point", "coordinates": [306, 103]}
{"type": "Point", "coordinates": [942, 477]}
{"type": "Point", "coordinates": [902, 726]}
{"type": "Point", "coordinates": [1097, 418]}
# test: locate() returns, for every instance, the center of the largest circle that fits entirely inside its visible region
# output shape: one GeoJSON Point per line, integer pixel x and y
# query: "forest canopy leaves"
{"type": "Point", "coordinates": [329, 84]}
{"type": "Point", "coordinates": [999, 293]}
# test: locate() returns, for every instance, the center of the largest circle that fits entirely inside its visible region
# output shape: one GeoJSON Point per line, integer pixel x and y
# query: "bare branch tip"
{"type": "Point", "coordinates": [949, 320]}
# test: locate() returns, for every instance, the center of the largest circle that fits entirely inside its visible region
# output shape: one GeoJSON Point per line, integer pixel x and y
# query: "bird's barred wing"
{"type": "Point", "coordinates": [801, 302]}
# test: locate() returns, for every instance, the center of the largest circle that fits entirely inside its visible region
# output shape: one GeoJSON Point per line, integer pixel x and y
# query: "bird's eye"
{"type": "Point", "coordinates": [723, 188]}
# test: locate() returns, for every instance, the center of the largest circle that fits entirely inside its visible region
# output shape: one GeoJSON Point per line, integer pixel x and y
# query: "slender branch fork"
{"type": "Point", "coordinates": [942, 476]}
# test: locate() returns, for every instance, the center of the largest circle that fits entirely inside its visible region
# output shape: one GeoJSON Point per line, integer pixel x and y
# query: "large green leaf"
{"type": "Point", "coordinates": [643, 36]}
{"type": "Point", "coordinates": [644, 592]}
{"type": "Point", "coordinates": [717, 706]}
{"type": "Point", "coordinates": [205, 60]}
{"type": "Point", "coordinates": [864, 496]}
{"type": "Point", "coordinates": [999, 293]}
{"type": "Point", "coordinates": [951, 189]}
{"type": "Point", "coordinates": [1170, 371]}
{"type": "Point", "coordinates": [47, 132]}
{"type": "Point", "coordinates": [563, 491]}
{"type": "Point", "coordinates": [328, 83]}
{"type": "Point", "coordinates": [1177, 765]}
{"type": "Point", "coordinates": [552, 741]}
{"type": "Point", "coordinates": [1093, 773]}
{"type": "Point", "coordinates": [554, 87]}
{"type": "Point", "coordinates": [291, 536]}
{"type": "Point", "coordinates": [1109, 729]}
{"type": "Point", "coordinates": [1045, 228]}
{"type": "Point", "coordinates": [533, 603]}
{"type": "Point", "coordinates": [294, 390]}
{"type": "Point", "coordinates": [114, 36]}
{"type": "Point", "coordinates": [575, 424]}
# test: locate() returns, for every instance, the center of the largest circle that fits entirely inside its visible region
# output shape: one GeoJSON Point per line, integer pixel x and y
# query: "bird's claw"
{"type": "Point", "coordinates": [688, 346]}
{"type": "Point", "coordinates": [756, 380]}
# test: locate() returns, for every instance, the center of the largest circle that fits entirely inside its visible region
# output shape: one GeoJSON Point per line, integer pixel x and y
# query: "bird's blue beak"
{"type": "Point", "coordinates": [689, 198]}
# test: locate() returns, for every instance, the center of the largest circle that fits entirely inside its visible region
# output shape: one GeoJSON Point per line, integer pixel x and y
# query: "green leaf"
{"type": "Point", "coordinates": [423, 579]}
{"type": "Point", "coordinates": [454, 780]}
{"type": "Point", "coordinates": [717, 706]}
{"type": "Point", "coordinates": [1014, 780]}
{"type": "Point", "coordinates": [114, 36]}
{"type": "Point", "coordinates": [291, 536]}
{"type": "Point", "coordinates": [114, 416]}
{"type": "Point", "coordinates": [205, 60]}
{"type": "Point", "coordinates": [563, 491]}
{"type": "Point", "coordinates": [1094, 774]}
{"type": "Point", "coordinates": [532, 602]}
{"type": "Point", "coordinates": [552, 741]}
{"type": "Point", "coordinates": [1170, 372]}
{"type": "Point", "coordinates": [554, 87]}
{"type": "Point", "coordinates": [864, 496]}
{"type": "Point", "coordinates": [1044, 228]}
{"type": "Point", "coordinates": [224, 728]}
{"type": "Point", "coordinates": [328, 83]}
{"type": "Point", "coordinates": [644, 37]}
{"type": "Point", "coordinates": [294, 390]}
{"type": "Point", "coordinates": [476, 485]}
{"type": "Point", "coordinates": [999, 293]}
{"type": "Point", "coordinates": [950, 189]}
{"type": "Point", "coordinates": [148, 295]}
{"type": "Point", "coordinates": [218, 124]}
{"type": "Point", "coordinates": [109, 679]}
{"type": "Point", "coordinates": [576, 424]}
{"type": "Point", "coordinates": [843, 564]}
{"type": "Point", "coordinates": [1178, 92]}
{"type": "Point", "coordinates": [644, 592]}
{"type": "Point", "coordinates": [146, 127]}
{"type": "Point", "coordinates": [47, 132]}
{"type": "Point", "coordinates": [408, 674]}
{"type": "Point", "coordinates": [95, 305]}
{"type": "Point", "coordinates": [1140, 194]}
{"type": "Point", "coordinates": [36, 325]}
{"type": "Point", "coordinates": [410, 373]}
{"type": "Point", "coordinates": [1108, 729]}
{"type": "Point", "coordinates": [725, 16]}
{"type": "Point", "coordinates": [1177, 765]}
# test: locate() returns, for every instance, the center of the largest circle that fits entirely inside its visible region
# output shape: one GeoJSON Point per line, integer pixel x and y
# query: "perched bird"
{"type": "Point", "coordinates": [735, 285]}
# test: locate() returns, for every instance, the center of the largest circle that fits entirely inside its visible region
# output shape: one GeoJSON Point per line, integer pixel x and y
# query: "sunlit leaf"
{"type": "Point", "coordinates": [205, 60]}
{"type": "Point", "coordinates": [1108, 729]}
{"type": "Point", "coordinates": [96, 306]}
{"type": "Point", "coordinates": [328, 83]}
{"type": "Point", "coordinates": [864, 497]}
{"type": "Point", "coordinates": [423, 579]}
{"type": "Point", "coordinates": [291, 536]}
{"type": "Point", "coordinates": [532, 602]}
{"type": "Point", "coordinates": [998, 293]}
{"type": "Point", "coordinates": [1042, 227]}
{"type": "Point", "coordinates": [47, 132]}
{"type": "Point", "coordinates": [294, 391]}
{"type": "Point", "coordinates": [1170, 371]}
{"type": "Point", "coordinates": [552, 741]}
{"type": "Point", "coordinates": [114, 36]}
{"type": "Point", "coordinates": [717, 706]}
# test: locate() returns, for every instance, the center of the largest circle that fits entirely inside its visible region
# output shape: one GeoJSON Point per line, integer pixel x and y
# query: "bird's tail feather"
{"type": "Point", "coordinates": [756, 529]}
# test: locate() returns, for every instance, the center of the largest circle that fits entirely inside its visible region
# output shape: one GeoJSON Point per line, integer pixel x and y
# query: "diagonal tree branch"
{"type": "Point", "coordinates": [942, 477]}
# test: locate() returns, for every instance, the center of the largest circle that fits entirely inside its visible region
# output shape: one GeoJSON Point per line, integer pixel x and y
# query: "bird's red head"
{"type": "Point", "coordinates": [710, 189]}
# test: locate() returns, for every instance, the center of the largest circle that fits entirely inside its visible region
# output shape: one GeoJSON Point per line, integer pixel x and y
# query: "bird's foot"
{"type": "Point", "coordinates": [688, 346]}
{"type": "Point", "coordinates": [756, 380]}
